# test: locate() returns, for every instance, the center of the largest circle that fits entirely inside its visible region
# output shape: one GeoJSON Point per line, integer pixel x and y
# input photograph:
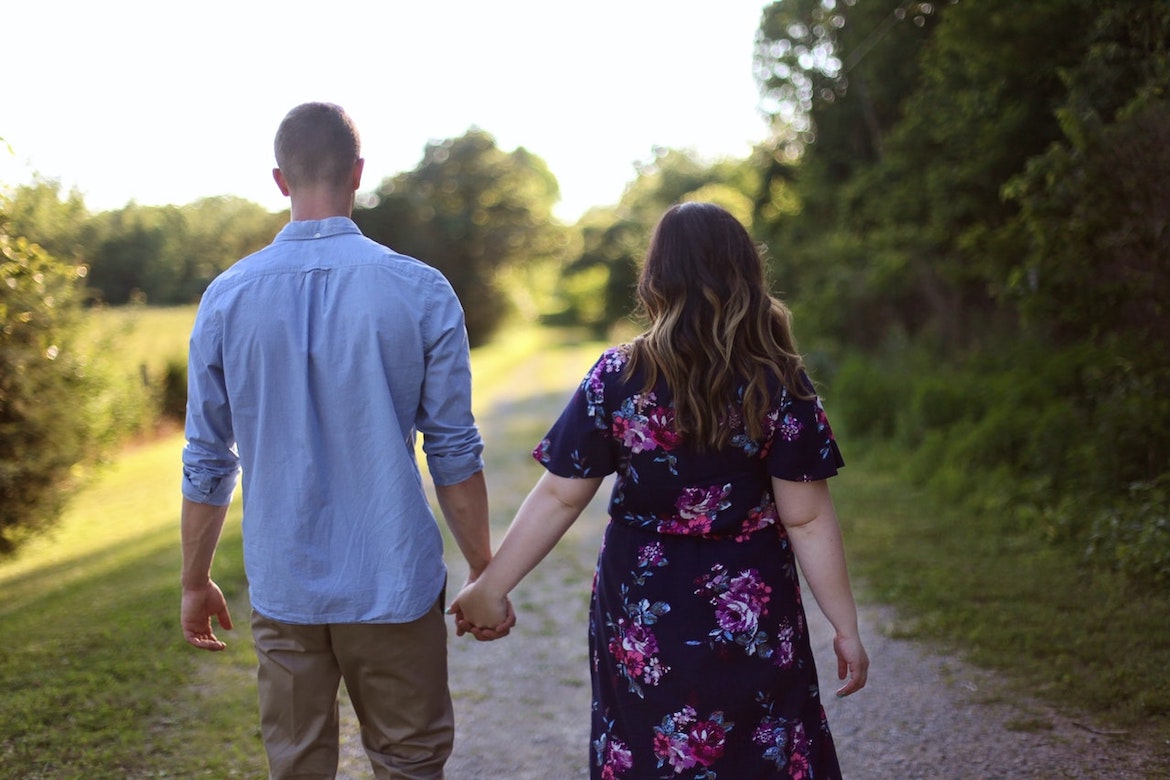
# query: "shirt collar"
{"type": "Point", "coordinates": [308, 229]}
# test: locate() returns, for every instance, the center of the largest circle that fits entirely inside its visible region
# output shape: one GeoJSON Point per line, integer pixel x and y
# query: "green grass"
{"type": "Point", "coordinates": [1053, 625]}
{"type": "Point", "coordinates": [99, 683]}
{"type": "Point", "coordinates": [145, 337]}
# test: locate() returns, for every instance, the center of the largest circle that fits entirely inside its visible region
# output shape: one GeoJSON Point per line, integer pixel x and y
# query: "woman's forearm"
{"type": "Point", "coordinates": [550, 508]}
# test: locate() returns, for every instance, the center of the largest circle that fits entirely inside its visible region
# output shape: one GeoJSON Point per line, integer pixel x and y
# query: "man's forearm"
{"type": "Point", "coordinates": [465, 509]}
{"type": "Point", "coordinates": [201, 527]}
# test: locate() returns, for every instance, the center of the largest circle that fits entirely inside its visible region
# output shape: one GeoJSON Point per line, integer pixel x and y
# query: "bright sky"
{"type": "Point", "coordinates": [166, 102]}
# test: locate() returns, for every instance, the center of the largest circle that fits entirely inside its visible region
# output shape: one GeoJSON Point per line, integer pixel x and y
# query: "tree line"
{"type": "Point", "coordinates": [964, 203]}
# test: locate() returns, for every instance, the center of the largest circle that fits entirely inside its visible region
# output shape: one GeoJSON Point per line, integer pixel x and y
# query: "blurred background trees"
{"type": "Point", "coordinates": [475, 212]}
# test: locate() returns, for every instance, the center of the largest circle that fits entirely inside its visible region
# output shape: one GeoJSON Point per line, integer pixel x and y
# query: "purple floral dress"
{"type": "Point", "coordinates": [701, 661]}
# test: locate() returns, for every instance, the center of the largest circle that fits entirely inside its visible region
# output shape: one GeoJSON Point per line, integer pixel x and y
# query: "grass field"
{"type": "Point", "coordinates": [144, 337]}
{"type": "Point", "coordinates": [99, 684]}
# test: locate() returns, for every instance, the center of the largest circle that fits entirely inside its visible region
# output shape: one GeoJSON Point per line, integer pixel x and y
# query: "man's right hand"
{"type": "Point", "coordinates": [199, 605]}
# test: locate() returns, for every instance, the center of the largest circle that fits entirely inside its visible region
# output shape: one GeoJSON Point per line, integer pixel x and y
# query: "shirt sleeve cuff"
{"type": "Point", "coordinates": [453, 469]}
{"type": "Point", "coordinates": [207, 489]}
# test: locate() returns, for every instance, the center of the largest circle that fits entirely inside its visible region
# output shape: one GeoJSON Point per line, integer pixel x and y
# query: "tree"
{"type": "Point", "coordinates": [471, 210]}
{"type": "Point", "coordinates": [1094, 214]}
{"type": "Point", "coordinates": [908, 172]}
{"type": "Point", "coordinates": [168, 254]}
{"type": "Point", "coordinates": [598, 284]}
{"type": "Point", "coordinates": [58, 223]}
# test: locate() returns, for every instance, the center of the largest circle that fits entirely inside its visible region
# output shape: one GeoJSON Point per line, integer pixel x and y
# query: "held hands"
{"type": "Point", "coordinates": [199, 604]}
{"type": "Point", "coordinates": [484, 615]}
{"type": "Point", "coordinates": [852, 662]}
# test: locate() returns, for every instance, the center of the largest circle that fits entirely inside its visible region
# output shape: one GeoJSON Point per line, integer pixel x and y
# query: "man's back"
{"type": "Point", "coordinates": [325, 350]}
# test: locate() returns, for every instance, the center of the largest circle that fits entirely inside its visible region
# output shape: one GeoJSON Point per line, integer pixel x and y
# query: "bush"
{"type": "Point", "coordinates": [173, 404]}
{"type": "Point", "coordinates": [1070, 445]}
{"type": "Point", "coordinates": [47, 425]}
{"type": "Point", "coordinates": [866, 398]}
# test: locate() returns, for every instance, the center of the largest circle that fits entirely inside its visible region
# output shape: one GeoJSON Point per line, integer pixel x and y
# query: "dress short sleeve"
{"type": "Point", "coordinates": [581, 442]}
{"type": "Point", "coordinates": [803, 448]}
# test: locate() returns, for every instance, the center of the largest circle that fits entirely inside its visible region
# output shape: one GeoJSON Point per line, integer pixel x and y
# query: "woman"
{"type": "Point", "coordinates": [701, 664]}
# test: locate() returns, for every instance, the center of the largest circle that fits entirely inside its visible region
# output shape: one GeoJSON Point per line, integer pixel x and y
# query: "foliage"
{"type": "Point", "coordinates": [1094, 204]}
{"type": "Point", "coordinates": [48, 424]}
{"type": "Point", "coordinates": [59, 223]}
{"type": "Point", "coordinates": [161, 254]}
{"type": "Point", "coordinates": [598, 284]}
{"type": "Point", "coordinates": [167, 255]}
{"type": "Point", "coordinates": [970, 199]}
{"type": "Point", "coordinates": [471, 210]}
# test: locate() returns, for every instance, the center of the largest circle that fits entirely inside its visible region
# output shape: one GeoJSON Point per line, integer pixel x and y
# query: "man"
{"type": "Point", "coordinates": [313, 363]}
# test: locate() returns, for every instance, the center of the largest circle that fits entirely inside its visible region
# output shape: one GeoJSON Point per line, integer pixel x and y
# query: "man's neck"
{"type": "Point", "coordinates": [316, 205]}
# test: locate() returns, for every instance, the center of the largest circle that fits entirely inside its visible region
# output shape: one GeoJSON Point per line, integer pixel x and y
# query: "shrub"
{"type": "Point", "coordinates": [47, 424]}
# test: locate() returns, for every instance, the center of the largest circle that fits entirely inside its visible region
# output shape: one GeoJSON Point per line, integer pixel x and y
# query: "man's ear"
{"type": "Point", "coordinates": [280, 182]}
{"type": "Point", "coordinates": [358, 167]}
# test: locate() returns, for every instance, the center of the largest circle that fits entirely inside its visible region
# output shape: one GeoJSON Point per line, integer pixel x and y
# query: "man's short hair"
{"type": "Point", "coordinates": [317, 143]}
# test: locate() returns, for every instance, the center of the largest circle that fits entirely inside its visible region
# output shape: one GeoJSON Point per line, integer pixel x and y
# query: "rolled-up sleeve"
{"type": "Point", "coordinates": [211, 465]}
{"type": "Point", "coordinates": [451, 440]}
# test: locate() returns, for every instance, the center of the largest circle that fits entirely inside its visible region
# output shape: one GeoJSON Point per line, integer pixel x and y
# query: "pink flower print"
{"type": "Point", "coordinates": [635, 647]}
{"type": "Point", "coordinates": [758, 518]}
{"type": "Point", "coordinates": [799, 762]}
{"type": "Point", "coordinates": [790, 428]}
{"type": "Point", "coordinates": [697, 508]}
{"type": "Point", "coordinates": [674, 750]}
{"type": "Point", "coordinates": [736, 615]}
{"type": "Point", "coordinates": [750, 586]}
{"type": "Point", "coordinates": [785, 653]}
{"type": "Point", "coordinates": [633, 432]}
{"type": "Point", "coordinates": [661, 421]}
{"type": "Point", "coordinates": [613, 360]}
{"type": "Point", "coordinates": [541, 451]}
{"type": "Point", "coordinates": [738, 609]}
{"type": "Point", "coordinates": [686, 716]}
{"type": "Point", "coordinates": [654, 671]}
{"type": "Point", "coordinates": [617, 758]}
{"type": "Point", "coordinates": [675, 525]}
{"type": "Point", "coordinates": [823, 420]}
{"type": "Point", "coordinates": [706, 741]}
{"type": "Point", "coordinates": [699, 502]}
{"type": "Point", "coordinates": [651, 555]}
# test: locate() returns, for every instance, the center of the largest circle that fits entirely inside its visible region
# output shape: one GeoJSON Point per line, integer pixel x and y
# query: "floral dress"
{"type": "Point", "coordinates": [701, 664]}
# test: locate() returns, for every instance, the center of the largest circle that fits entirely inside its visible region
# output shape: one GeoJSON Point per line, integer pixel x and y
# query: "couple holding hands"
{"type": "Point", "coordinates": [306, 354]}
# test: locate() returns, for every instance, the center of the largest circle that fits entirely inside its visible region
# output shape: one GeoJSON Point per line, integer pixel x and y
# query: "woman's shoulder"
{"type": "Point", "coordinates": [613, 360]}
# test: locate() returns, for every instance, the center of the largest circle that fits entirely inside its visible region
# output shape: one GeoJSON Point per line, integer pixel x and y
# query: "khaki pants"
{"type": "Point", "coordinates": [396, 676]}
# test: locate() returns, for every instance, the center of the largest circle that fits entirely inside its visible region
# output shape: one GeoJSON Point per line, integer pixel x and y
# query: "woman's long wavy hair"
{"type": "Point", "coordinates": [714, 328]}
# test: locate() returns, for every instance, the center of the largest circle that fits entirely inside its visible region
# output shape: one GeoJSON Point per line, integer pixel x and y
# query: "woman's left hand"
{"type": "Point", "coordinates": [484, 615]}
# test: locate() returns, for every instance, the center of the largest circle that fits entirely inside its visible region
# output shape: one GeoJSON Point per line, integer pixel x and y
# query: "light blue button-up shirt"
{"type": "Point", "coordinates": [313, 362]}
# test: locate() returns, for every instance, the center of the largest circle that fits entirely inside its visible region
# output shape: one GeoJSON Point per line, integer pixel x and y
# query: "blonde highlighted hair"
{"type": "Point", "coordinates": [714, 328]}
